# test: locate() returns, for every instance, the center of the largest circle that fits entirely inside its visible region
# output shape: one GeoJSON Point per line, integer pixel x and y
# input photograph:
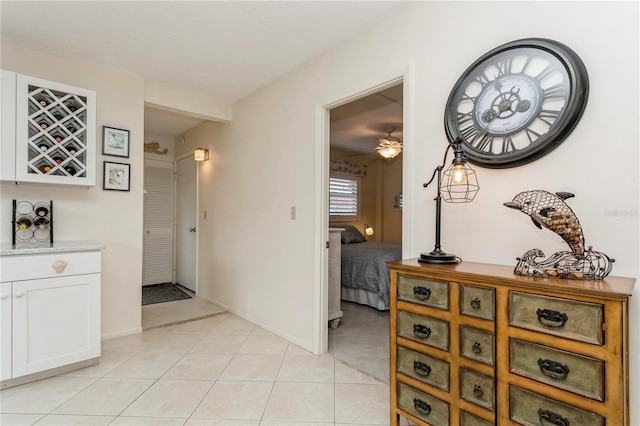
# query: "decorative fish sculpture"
{"type": "Point", "coordinates": [551, 211]}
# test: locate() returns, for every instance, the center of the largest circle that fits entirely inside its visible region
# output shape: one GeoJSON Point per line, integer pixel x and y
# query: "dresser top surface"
{"type": "Point", "coordinates": [501, 274]}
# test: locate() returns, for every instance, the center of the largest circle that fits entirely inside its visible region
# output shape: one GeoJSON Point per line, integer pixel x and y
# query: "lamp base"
{"type": "Point", "coordinates": [439, 257]}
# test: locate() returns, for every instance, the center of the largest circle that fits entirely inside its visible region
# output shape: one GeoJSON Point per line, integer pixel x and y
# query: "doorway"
{"type": "Point", "coordinates": [356, 131]}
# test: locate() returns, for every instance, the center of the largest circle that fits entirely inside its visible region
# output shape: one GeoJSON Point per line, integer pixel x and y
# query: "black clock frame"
{"type": "Point", "coordinates": [572, 111]}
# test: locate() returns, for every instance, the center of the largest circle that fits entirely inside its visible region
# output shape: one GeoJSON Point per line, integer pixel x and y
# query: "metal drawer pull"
{"type": "Point", "coordinates": [59, 266]}
{"type": "Point", "coordinates": [421, 368]}
{"type": "Point", "coordinates": [421, 331]}
{"type": "Point", "coordinates": [476, 348]}
{"type": "Point", "coordinates": [421, 293]}
{"type": "Point", "coordinates": [553, 319]}
{"type": "Point", "coordinates": [477, 391]}
{"type": "Point", "coordinates": [421, 406]}
{"type": "Point", "coordinates": [549, 417]}
{"type": "Point", "coordinates": [553, 369]}
{"type": "Point", "coordinates": [475, 303]}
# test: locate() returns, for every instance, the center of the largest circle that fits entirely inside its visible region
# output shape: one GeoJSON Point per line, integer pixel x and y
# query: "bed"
{"type": "Point", "coordinates": [364, 273]}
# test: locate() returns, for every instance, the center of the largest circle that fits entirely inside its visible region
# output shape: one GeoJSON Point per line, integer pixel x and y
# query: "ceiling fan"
{"type": "Point", "coordinates": [389, 146]}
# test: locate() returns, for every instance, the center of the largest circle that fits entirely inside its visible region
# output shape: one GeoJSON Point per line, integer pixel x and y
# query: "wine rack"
{"type": "Point", "coordinates": [55, 132]}
{"type": "Point", "coordinates": [32, 222]}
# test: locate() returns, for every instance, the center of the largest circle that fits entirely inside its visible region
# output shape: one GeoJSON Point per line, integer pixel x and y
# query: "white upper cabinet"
{"type": "Point", "coordinates": [55, 132]}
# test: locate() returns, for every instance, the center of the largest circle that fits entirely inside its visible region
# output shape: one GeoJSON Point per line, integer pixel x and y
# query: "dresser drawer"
{"type": "Point", "coordinates": [565, 370]}
{"type": "Point", "coordinates": [424, 406]}
{"type": "Point", "coordinates": [477, 301]}
{"type": "Point", "coordinates": [35, 266]}
{"type": "Point", "coordinates": [568, 318]}
{"type": "Point", "coordinates": [424, 291]}
{"type": "Point", "coordinates": [477, 345]}
{"type": "Point", "coordinates": [468, 419]}
{"type": "Point", "coordinates": [528, 408]}
{"type": "Point", "coordinates": [424, 368]}
{"type": "Point", "coordinates": [423, 329]}
{"type": "Point", "coordinates": [477, 388]}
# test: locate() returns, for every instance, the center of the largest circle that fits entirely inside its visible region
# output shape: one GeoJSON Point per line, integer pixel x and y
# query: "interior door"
{"type": "Point", "coordinates": [186, 221]}
{"type": "Point", "coordinates": [157, 266]}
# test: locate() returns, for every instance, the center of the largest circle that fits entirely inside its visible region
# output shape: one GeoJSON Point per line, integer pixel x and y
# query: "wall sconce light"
{"type": "Point", "coordinates": [201, 154]}
{"type": "Point", "coordinates": [368, 230]}
{"type": "Point", "coordinates": [460, 185]}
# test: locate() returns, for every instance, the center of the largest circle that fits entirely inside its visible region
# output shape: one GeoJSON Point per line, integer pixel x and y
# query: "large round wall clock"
{"type": "Point", "coordinates": [517, 102]}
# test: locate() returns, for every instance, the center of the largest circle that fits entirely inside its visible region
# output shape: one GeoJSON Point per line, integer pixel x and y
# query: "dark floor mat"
{"type": "Point", "coordinates": [160, 293]}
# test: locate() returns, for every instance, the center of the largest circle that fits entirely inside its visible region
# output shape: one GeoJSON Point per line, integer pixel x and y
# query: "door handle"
{"type": "Point", "coordinates": [192, 229]}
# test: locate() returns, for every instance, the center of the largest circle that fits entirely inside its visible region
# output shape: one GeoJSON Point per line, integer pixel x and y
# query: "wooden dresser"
{"type": "Point", "coordinates": [474, 345]}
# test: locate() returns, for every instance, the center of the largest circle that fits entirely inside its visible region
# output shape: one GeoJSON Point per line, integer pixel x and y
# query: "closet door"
{"type": "Point", "coordinates": [158, 219]}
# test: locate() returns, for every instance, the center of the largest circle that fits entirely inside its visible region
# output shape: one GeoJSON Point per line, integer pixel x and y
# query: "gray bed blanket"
{"type": "Point", "coordinates": [363, 266]}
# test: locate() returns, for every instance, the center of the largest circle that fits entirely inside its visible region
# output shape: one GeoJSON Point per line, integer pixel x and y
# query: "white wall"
{"type": "Point", "coordinates": [165, 142]}
{"type": "Point", "coordinates": [265, 160]}
{"type": "Point", "coordinates": [111, 217]}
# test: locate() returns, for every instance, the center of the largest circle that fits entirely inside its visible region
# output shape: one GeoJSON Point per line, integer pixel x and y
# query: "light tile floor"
{"type": "Point", "coordinates": [161, 314]}
{"type": "Point", "coordinates": [221, 370]}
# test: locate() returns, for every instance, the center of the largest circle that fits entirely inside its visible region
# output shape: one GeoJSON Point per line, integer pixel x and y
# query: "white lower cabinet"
{"type": "Point", "coordinates": [5, 331]}
{"type": "Point", "coordinates": [52, 321]}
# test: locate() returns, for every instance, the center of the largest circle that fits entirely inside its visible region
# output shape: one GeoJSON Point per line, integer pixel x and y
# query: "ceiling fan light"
{"type": "Point", "coordinates": [389, 149]}
{"type": "Point", "coordinates": [390, 146]}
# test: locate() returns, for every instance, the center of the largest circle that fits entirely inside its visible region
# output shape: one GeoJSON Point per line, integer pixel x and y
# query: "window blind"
{"type": "Point", "coordinates": [343, 197]}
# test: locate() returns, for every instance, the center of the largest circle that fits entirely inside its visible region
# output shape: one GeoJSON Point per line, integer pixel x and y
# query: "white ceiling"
{"type": "Point", "coordinates": [227, 49]}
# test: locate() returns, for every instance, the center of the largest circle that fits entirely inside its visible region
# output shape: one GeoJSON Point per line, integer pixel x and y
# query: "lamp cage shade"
{"type": "Point", "coordinates": [462, 192]}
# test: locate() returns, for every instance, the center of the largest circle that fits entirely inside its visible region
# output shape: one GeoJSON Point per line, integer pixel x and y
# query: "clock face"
{"type": "Point", "coordinates": [517, 102]}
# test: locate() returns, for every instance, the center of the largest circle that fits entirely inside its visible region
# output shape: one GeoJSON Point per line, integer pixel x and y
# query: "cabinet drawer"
{"type": "Point", "coordinates": [34, 266]}
{"type": "Point", "coordinates": [426, 407]}
{"type": "Point", "coordinates": [528, 408]}
{"type": "Point", "coordinates": [477, 301]}
{"type": "Point", "coordinates": [565, 370]}
{"type": "Point", "coordinates": [468, 419]}
{"type": "Point", "coordinates": [477, 388]}
{"type": "Point", "coordinates": [424, 291]}
{"type": "Point", "coordinates": [477, 345]}
{"type": "Point", "coordinates": [423, 329]}
{"type": "Point", "coordinates": [568, 318]}
{"type": "Point", "coordinates": [424, 368]}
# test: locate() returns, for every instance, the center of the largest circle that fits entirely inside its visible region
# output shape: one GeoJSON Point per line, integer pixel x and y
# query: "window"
{"type": "Point", "coordinates": [343, 198]}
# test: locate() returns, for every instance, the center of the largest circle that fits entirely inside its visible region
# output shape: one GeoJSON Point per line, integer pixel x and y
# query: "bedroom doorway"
{"type": "Point", "coordinates": [371, 213]}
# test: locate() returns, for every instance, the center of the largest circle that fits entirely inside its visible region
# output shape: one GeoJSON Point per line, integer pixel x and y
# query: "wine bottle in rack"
{"type": "Point", "coordinates": [41, 210]}
{"type": "Point", "coordinates": [41, 222]}
{"type": "Point", "coordinates": [44, 145]}
{"type": "Point", "coordinates": [24, 222]}
{"type": "Point", "coordinates": [71, 170]}
{"type": "Point", "coordinates": [71, 149]}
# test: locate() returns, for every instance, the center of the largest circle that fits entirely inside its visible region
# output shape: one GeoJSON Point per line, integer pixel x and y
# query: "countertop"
{"type": "Point", "coordinates": [43, 248]}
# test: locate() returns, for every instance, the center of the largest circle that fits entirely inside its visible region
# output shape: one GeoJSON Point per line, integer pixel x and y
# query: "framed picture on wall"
{"type": "Point", "coordinates": [116, 176]}
{"type": "Point", "coordinates": [115, 142]}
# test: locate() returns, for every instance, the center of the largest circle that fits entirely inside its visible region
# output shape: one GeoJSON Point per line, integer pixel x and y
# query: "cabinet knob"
{"type": "Point", "coordinates": [19, 293]}
{"type": "Point", "coordinates": [4, 296]}
{"type": "Point", "coordinates": [59, 266]}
